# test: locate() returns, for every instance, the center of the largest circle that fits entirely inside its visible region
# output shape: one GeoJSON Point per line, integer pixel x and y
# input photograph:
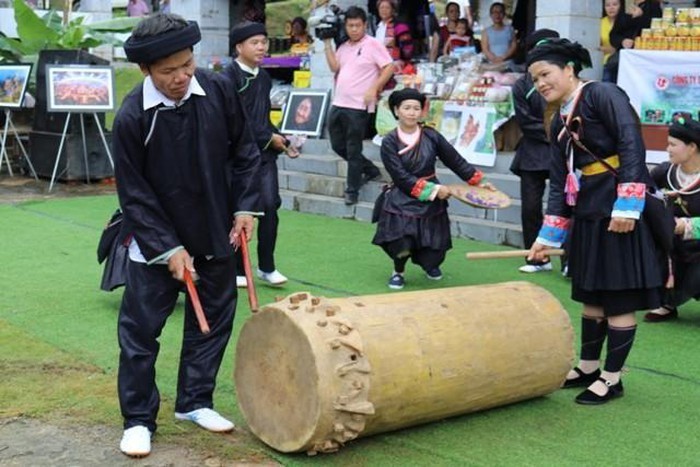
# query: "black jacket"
{"type": "Point", "coordinates": [183, 172]}
{"type": "Point", "coordinates": [534, 151]}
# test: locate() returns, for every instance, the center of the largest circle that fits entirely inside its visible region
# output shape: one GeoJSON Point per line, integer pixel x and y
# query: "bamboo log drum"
{"type": "Point", "coordinates": [314, 373]}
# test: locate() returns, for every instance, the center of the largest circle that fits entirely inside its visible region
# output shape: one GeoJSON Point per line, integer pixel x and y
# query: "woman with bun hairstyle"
{"type": "Point", "coordinates": [613, 263]}
{"type": "Point", "coordinates": [412, 219]}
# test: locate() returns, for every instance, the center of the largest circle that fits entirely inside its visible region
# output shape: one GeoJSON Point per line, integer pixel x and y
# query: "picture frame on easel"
{"type": "Point", "coordinates": [13, 84]}
{"type": "Point", "coordinates": [80, 88]}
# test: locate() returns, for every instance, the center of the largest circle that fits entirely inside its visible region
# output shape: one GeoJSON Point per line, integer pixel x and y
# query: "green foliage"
{"type": "Point", "coordinates": [49, 32]}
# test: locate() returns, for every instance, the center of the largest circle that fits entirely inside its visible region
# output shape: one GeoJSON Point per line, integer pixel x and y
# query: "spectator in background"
{"type": "Point", "coordinates": [498, 42]}
{"type": "Point", "coordinates": [385, 28]}
{"type": "Point", "coordinates": [532, 156]}
{"type": "Point", "coordinates": [679, 178]}
{"type": "Point", "coordinates": [137, 8]}
{"type": "Point", "coordinates": [253, 84]}
{"type": "Point", "coordinates": [452, 12]}
{"type": "Point", "coordinates": [165, 7]}
{"type": "Point", "coordinates": [362, 67]}
{"type": "Point", "coordinates": [617, 31]}
{"type": "Point", "coordinates": [645, 10]}
{"type": "Point", "coordinates": [462, 37]}
{"type": "Point", "coordinates": [299, 33]}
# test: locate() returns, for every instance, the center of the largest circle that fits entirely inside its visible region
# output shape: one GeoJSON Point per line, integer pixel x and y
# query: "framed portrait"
{"type": "Point", "coordinates": [13, 83]}
{"type": "Point", "coordinates": [305, 112]}
{"type": "Point", "coordinates": [79, 88]}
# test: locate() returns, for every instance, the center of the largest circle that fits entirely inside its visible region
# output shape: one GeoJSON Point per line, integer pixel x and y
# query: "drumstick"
{"type": "Point", "coordinates": [250, 286]}
{"type": "Point", "coordinates": [196, 304]}
{"type": "Point", "coordinates": [510, 254]}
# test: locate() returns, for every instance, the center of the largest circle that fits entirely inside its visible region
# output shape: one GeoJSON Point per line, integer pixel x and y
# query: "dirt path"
{"type": "Point", "coordinates": [27, 442]}
{"type": "Point", "coordinates": [20, 188]}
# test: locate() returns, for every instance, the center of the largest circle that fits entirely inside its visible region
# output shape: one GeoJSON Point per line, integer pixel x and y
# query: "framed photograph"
{"type": "Point", "coordinates": [305, 112]}
{"type": "Point", "coordinates": [79, 88]}
{"type": "Point", "coordinates": [13, 84]}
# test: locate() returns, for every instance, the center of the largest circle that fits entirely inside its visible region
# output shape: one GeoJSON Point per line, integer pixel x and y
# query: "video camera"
{"type": "Point", "coordinates": [332, 25]}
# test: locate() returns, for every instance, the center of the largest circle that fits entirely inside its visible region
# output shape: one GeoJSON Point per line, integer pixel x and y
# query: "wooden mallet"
{"type": "Point", "coordinates": [196, 304]}
{"type": "Point", "coordinates": [250, 285]}
{"type": "Point", "coordinates": [510, 254]}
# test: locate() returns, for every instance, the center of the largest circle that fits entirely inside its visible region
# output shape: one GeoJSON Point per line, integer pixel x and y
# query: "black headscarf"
{"type": "Point", "coordinates": [561, 51]}
{"type": "Point", "coordinates": [535, 37]}
{"type": "Point", "coordinates": [244, 30]}
{"type": "Point", "coordinates": [685, 129]}
{"type": "Point", "coordinates": [397, 97]}
{"type": "Point", "coordinates": [150, 49]}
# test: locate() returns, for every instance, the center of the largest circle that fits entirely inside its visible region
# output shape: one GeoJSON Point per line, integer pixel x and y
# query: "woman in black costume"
{"type": "Point", "coordinates": [612, 258]}
{"type": "Point", "coordinates": [680, 179]}
{"type": "Point", "coordinates": [413, 221]}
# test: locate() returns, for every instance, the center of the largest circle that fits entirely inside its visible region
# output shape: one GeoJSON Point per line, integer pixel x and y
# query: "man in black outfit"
{"type": "Point", "coordinates": [531, 162]}
{"type": "Point", "coordinates": [186, 168]}
{"type": "Point", "coordinates": [253, 85]}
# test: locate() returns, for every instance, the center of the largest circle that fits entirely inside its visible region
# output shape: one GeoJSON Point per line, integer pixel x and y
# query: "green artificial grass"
{"type": "Point", "coordinates": [58, 336]}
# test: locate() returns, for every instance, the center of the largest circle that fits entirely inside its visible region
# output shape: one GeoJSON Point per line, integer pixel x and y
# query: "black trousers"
{"type": "Point", "coordinates": [148, 301]}
{"type": "Point", "coordinates": [346, 128]}
{"type": "Point", "coordinates": [532, 186]}
{"type": "Point", "coordinates": [268, 224]}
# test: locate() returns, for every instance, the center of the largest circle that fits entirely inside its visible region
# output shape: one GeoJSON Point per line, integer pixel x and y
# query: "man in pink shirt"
{"type": "Point", "coordinates": [362, 67]}
{"type": "Point", "coordinates": [137, 8]}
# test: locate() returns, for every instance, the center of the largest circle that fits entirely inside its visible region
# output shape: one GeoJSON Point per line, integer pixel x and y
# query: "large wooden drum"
{"type": "Point", "coordinates": [313, 373]}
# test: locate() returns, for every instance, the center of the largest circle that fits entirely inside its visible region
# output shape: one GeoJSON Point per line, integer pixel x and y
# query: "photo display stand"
{"type": "Point", "coordinates": [13, 81]}
{"type": "Point", "coordinates": [3, 149]}
{"type": "Point", "coordinates": [80, 89]}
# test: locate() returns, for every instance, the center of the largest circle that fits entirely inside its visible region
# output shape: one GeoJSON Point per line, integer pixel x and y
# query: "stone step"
{"type": "Point", "coordinates": [486, 230]}
{"type": "Point", "coordinates": [328, 185]}
{"type": "Point", "coordinates": [322, 147]}
{"type": "Point", "coordinates": [334, 166]}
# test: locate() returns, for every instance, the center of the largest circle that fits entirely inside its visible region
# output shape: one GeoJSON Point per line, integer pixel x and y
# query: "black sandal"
{"type": "Point", "coordinates": [589, 397]}
{"type": "Point", "coordinates": [652, 317]}
{"type": "Point", "coordinates": [582, 380]}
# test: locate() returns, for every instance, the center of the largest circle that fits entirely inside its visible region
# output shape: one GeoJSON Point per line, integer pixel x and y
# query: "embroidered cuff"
{"type": "Point", "coordinates": [434, 192]}
{"type": "Point", "coordinates": [422, 189]}
{"type": "Point", "coordinates": [692, 228]}
{"type": "Point", "coordinates": [426, 192]}
{"type": "Point", "coordinates": [630, 200]}
{"type": "Point", "coordinates": [553, 231]}
{"type": "Point", "coordinates": [476, 178]}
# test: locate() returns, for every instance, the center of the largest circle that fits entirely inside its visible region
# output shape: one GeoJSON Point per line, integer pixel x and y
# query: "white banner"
{"type": "Point", "coordinates": [660, 84]}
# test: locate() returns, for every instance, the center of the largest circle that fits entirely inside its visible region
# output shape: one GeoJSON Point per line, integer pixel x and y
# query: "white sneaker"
{"type": "Point", "coordinates": [530, 268]}
{"type": "Point", "coordinates": [207, 419]}
{"type": "Point", "coordinates": [272, 278]}
{"type": "Point", "coordinates": [136, 441]}
{"type": "Point", "coordinates": [241, 282]}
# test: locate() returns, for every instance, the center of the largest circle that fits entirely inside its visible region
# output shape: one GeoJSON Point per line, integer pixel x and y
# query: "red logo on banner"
{"type": "Point", "coordinates": [662, 83]}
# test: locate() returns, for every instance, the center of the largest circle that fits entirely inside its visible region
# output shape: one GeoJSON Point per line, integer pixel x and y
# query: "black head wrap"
{"type": "Point", "coordinates": [149, 49]}
{"type": "Point", "coordinates": [243, 31]}
{"type": "Point", "coordinates": [685, 129]}
{"type": "Point", "coordinates": [397, 97]}
{"type": "Point", "coordinates": [535, 37]}
{"type": "Point", "coordinates": [561, 51]}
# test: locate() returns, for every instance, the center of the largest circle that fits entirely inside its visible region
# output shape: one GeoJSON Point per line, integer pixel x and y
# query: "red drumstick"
{"type": "Point", "coordinates": [252, 296]}
{"type": "Point", "coordinates": [196, 304]}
